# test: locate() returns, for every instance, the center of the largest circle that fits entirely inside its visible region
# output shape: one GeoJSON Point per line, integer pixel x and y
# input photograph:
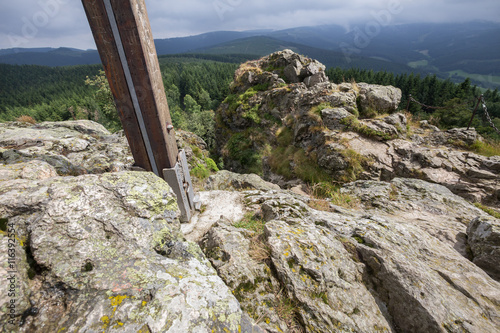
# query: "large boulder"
{"type": "Point", "coordinates": [295, 68]}
{"type": "Point", "coordinates": [105, 253]}
{"type": "Point", "coordinates": [484, 241]}
{"type": "Point", "coordinates": [227, 180]}
{"type": "Point", "coordinates": [382, 99]}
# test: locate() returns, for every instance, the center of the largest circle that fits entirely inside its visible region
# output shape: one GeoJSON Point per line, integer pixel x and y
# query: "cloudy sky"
{"type": "Point", "coordinates": [55, 23]}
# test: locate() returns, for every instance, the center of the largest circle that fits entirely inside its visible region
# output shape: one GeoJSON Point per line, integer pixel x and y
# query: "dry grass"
{"type": "Point", "coordinates": [321, 204]}
{"type": "Point", "coordinates": [327, 194]}
{"type": "Point", "coordinates": [259, 251]}
{"type": "Point", "coordinates": [249, 66]}
{"type": "Point", "coordinates": [355, 86]}
{"type": "Point", "coordinates": [285, 308]}
{"type": "Point", "coordinates": [434, 120]}
{"type": "Point", "coordinates": [26, 119]}
{"type": "Point", "coordinates": [412, 120]}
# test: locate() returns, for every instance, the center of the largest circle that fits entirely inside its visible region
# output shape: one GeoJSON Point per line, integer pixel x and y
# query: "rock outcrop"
{"type": "Point", "coordinates": [73, 148]}
{"type": "Point", "coordinates": [275, 124]}
{"type": "Point", "coordinates": [285, 88]}
{"type": "Point", "coordinates": [484, 241]}
{"type": "Point", "coordinates": [428, 156]}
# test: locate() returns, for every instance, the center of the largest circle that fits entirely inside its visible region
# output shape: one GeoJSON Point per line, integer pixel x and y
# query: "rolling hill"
{"type": "Point", "coordinates": [454, 50]}
{"type": "Point", "coordinates": [263, 45]}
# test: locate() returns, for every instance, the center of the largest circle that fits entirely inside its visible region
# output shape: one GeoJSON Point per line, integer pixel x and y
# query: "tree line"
{"type": "Point", "coordinates": [196, 84]}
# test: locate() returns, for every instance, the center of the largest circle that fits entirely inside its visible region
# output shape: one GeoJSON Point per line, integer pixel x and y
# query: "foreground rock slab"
{"type": "Point", "coordinates": [104, 253]}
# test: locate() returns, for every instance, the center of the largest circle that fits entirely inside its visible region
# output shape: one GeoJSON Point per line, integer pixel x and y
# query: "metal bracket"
{"type": "Point", "coordinates": [179, 180]}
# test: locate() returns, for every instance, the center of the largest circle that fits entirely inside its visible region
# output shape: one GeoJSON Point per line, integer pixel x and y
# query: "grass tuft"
{"type": "Point", "coordinates": [488, 210]}
{"type": "Point", "coordinates": [26, 119]}
{"type": "Point", "coordinates": [486, 148]}
{"type": "Point", "coordinates": [258, 249]}
{"type": "Point", "coordinates": [252, 222]}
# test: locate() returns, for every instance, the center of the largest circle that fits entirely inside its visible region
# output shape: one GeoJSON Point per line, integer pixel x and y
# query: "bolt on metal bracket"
{"type": "Point", "coordinates": [179, 180]}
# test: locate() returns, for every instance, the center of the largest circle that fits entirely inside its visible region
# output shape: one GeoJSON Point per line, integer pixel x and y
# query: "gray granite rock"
{"type": "Point", "coordinates": [398, 264]}
{"type": "Point", "coordinates": [105, 253]}
{"type": "Point", "coordinates": [484, 241]}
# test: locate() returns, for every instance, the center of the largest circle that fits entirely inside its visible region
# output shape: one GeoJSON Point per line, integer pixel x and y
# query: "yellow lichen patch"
{"type": "Point", "coordinates": [118, 324]}
{"type": "Point", "coordinates": [105, 322]}
{"type": "Point", "coordinates": [297, 231]}
{"type": "Point", "coordinates": [117, 300]}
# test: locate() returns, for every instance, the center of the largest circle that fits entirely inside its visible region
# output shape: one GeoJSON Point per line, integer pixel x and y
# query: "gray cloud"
{"type": "Point", "coordinates": [37, 23]}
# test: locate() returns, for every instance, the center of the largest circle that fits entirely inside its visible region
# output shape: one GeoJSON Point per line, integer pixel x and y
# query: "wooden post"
{"type": "Point", "coordinates": [125, 43]}
{"type": "Point", "coordinates": [474, 113]}
{"type": "Point", "coordinates": [408, 104]}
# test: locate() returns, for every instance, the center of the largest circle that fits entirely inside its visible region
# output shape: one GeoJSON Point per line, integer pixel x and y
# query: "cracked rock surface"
{"type": "Point", "coordinates": [398, 263]}
{"type": "Point", "coordinates": [104, 253]}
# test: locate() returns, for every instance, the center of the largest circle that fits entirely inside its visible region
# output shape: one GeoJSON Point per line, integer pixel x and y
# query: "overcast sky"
{"type": "Point", "coordinates": [56, 23]}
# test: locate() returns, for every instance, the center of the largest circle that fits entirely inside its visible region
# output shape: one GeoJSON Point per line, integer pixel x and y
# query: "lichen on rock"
{"type": "Point", "coordinates": [105, 252]}
{"type": "Point", "coordinates": [399, 264]}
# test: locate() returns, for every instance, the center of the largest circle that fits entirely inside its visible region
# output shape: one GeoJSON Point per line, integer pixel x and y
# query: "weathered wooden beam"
{"type": "Point", "coordinates": [125, 42]}
{"type": "Point", "coordinates": [108, 51]}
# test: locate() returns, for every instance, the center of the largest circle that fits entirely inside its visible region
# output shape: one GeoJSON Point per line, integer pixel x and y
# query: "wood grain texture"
{"type": "Point", "coordinates": [137, 39]}
{"type": "Point", "coordinates": [136, 36]}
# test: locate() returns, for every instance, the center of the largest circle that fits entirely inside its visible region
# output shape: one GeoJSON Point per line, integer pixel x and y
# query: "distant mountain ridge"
{"type": "Point", "coordinates": [50, 57]}
{"type": "Point", "coordinates": [448, 49]}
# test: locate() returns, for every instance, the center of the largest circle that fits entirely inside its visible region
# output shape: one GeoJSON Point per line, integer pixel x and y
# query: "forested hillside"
{"type": "Point", "coordinates": [196, 84]}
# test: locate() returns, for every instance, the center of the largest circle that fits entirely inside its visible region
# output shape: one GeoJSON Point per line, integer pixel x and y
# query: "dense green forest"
{"type": "Point", "coordinates": [196, 84]}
